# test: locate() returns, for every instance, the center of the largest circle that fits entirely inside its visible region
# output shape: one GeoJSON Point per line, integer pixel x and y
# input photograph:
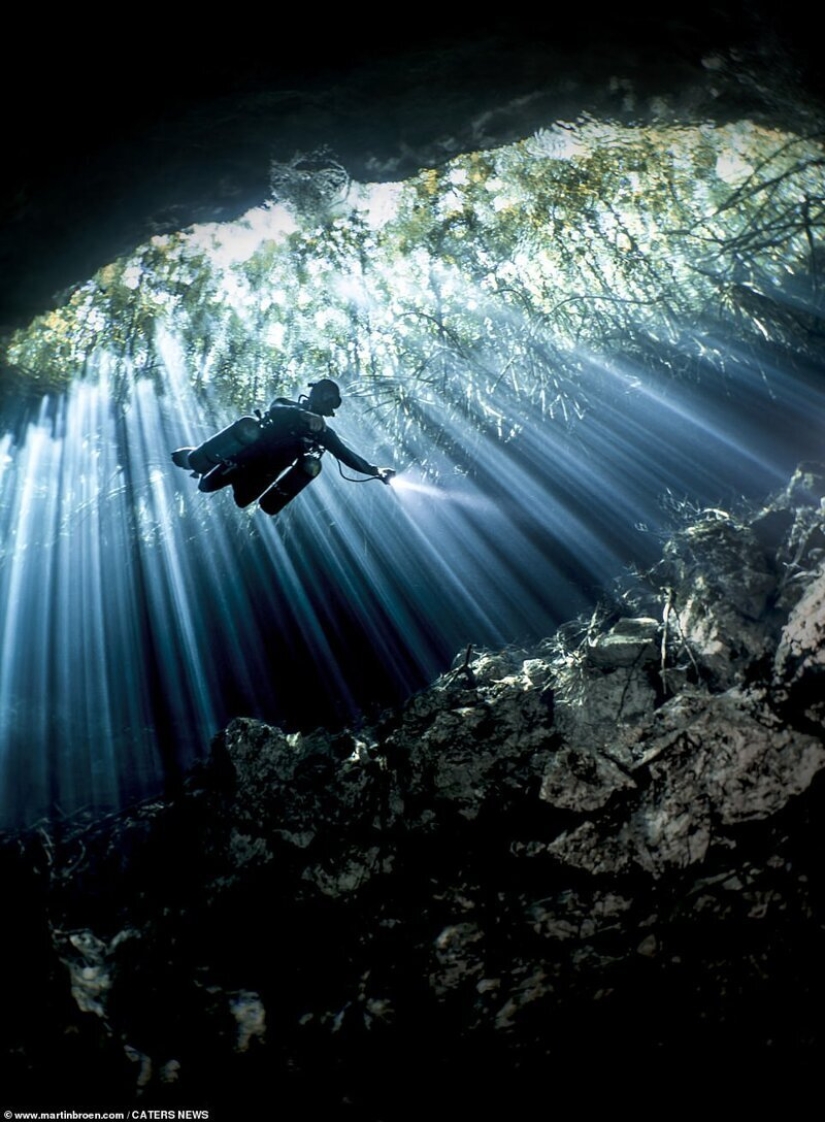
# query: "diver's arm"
{"type": "Point", "coordinates": [333, 443]}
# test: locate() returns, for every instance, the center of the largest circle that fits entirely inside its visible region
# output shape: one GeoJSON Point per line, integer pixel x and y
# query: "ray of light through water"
{"type": "Point", "coordinates": [139, 615]}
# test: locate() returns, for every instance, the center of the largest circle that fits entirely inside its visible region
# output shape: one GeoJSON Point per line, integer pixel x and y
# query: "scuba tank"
{"type": "Point", "coordinates": [301, 474]}
{"type": "Point", "coordinates": [223, 445]}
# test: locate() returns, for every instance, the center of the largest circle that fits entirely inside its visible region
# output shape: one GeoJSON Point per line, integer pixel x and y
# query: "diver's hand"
{"type": "Point", "coordinates": [385, 474]}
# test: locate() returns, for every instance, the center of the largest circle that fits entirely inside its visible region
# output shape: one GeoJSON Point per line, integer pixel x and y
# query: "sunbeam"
{"type": "Point", "coordinates": [543, 342]}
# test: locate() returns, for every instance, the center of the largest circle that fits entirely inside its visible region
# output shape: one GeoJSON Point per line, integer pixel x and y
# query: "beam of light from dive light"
{"type": "Point", "coordinates": [405, 483]}
{"type": "Point", "coordinates": [411, 483]}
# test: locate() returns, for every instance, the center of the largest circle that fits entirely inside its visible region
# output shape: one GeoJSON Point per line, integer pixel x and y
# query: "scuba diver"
{"type": "Point", "coordinates": [273, 456]}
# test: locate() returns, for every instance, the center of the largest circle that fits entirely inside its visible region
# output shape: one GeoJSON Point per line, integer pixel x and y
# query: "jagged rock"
{"type": "Point", "coordinates": [89, 960]}
{"type": "Point", "coordinates": [627, 643]}
{"type": "Point", "coordinates": [601, 708]}
{"type": "Point", "coordinates": [800, 657]}
{"type": "Point", "coordinates": [710, 762]}
{"type": "Point", "coordinates": [467, 744]}
{"type": "Point", "coordinates": [248, 1011]}
{"type": "Point", "coordinates": [724, 587]}
{"type": "Point", "coordinates": [606, 847]}
{"type": "Point", "coordinates": [582, 781]}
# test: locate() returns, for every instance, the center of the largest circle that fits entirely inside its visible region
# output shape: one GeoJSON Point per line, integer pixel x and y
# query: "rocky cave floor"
{"type": "Point", "coordinates": [590, 871]}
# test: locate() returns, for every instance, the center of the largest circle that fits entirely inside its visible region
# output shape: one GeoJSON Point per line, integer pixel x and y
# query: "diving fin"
{"type": "Point", "coordinates": [180, 457]}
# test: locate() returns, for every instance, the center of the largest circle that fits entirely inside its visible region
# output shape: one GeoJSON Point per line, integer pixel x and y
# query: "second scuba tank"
{"type": "Point", "coordinates": [303, 471]}
{"type": "Point", "coordinates": [224, 445]}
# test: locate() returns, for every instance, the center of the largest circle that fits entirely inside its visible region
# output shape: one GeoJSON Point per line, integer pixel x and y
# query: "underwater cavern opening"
{"type": "Point", "coordinates": [556, 343]}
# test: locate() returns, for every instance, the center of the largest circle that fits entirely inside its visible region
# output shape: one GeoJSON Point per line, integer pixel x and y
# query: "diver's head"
{"type": "Point", "coordinates": [324, 397]}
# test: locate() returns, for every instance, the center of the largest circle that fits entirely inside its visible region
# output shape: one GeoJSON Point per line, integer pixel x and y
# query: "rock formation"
{"type": "Point", "coordinates": [589, 873]}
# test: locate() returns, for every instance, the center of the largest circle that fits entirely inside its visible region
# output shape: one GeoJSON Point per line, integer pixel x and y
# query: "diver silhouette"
{"type": "Point", "coordinates": [273, 456]}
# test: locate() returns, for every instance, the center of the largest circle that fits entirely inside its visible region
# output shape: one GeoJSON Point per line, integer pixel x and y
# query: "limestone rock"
{"type": "Point", "coordinates": [605, 848]}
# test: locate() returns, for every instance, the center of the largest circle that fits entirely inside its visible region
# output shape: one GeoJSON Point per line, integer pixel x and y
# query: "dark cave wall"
{"type": "Point", "coordinates": [111, 139]}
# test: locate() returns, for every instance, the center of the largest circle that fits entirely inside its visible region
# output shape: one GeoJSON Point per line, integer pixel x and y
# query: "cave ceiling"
{"type": "Point", "coordinates": [111, 138]}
